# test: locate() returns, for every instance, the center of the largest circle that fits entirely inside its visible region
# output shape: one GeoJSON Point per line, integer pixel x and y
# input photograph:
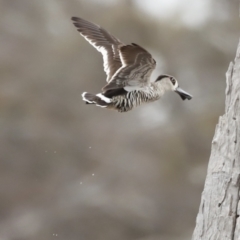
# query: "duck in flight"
{"type": "Point", "coordinates": [128, 68]}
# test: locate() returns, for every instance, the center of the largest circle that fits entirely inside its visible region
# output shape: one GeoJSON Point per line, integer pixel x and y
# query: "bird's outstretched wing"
{"type": "Point", "coordinates": [104, 42]}
{"type": "Point", "coordinates": [135, 73]}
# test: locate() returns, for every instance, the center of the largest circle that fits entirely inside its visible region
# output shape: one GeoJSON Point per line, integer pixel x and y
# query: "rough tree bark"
{"type": "Point", "coordinates": [218, 217]}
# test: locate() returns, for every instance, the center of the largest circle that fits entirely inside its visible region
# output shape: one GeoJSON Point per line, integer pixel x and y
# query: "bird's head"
{"type": "Point", "coordinates": [170, 83]}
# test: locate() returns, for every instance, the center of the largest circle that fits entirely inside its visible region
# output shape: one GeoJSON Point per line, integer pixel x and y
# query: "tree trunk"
{"type": "Point", "coordinates": [219, 209]}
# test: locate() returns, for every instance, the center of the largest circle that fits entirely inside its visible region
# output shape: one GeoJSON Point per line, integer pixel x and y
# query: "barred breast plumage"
{"type": "Point", "coordinates": [132, 99]}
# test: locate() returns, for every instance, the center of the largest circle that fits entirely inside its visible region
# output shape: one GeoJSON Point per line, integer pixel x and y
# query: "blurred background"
{"type": "Point", "coordinates": [74, 171]}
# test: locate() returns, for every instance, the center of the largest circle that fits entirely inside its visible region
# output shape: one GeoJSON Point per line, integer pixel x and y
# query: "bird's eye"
{"type": "Point", "coordinates": [173, 81]}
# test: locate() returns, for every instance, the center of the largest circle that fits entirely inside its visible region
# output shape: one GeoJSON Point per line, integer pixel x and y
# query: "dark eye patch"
{"type": "Point", "coordinates": [173, 81]}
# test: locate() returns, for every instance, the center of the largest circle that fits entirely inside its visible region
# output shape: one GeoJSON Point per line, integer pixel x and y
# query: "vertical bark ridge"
{"type": "Point", "coordinates": [218, 217]}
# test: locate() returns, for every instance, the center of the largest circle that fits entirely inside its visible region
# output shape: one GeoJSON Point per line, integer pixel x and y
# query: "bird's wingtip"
{"type": "Point", "coordinates": [74, 18]}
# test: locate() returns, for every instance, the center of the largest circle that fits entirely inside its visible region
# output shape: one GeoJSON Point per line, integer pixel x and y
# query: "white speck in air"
{"type": "Point", "coordinates": [93, 174]}
{"type": "Point", "coordinates": [80, 182]}
{"type": "Point", "coordinates": [90, 147]}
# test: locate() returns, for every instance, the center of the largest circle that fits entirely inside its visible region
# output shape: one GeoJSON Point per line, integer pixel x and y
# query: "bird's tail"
{"type": "Point", "coordinates": [98, 99]}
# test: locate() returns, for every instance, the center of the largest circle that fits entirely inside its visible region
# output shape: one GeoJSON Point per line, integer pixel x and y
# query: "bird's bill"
{"type": "Point", "coordinates": [184, 95]}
